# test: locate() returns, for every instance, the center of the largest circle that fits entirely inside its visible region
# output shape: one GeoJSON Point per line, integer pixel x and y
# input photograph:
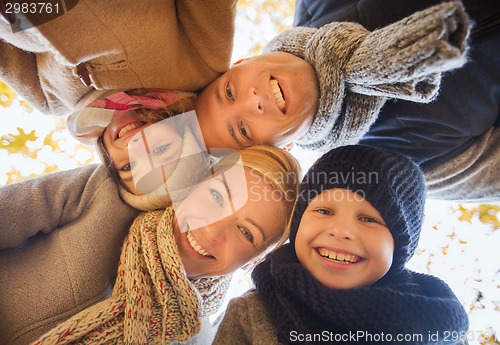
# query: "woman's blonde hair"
{"type": "Point", "coordinates": [277, 168]}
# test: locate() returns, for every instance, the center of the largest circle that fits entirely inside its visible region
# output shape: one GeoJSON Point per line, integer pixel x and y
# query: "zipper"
{"type": "Point", "coordinates": [485, 26]}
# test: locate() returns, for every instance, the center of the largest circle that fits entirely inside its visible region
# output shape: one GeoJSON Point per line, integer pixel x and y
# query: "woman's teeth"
{"type": "Point", "coordinates": [342, 257]}
{"type": "Point", "coordinates": [196, 246]}
{"type": "Point", "coordinates": [129, 127]}
{"type": "Point", "coordinates": [278, 95]}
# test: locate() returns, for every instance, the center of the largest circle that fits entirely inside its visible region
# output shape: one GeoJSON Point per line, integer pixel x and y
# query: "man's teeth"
{"type": "Point", "coordinates": [129, 127]}
{"type": "Point", "coordinates": [342, 257]}
{"type": "Point", "coordinates": [196, 246]}
{"type": "Point", "coordinates": [278, 96]}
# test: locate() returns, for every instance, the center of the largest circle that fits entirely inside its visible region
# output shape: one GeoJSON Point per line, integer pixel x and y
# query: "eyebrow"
{"type": "Point", "coordinates": [217, 94]}
{"type": "Point", "coordinates": [223, 177]}
{"type": "Point", "coordinates": [258, 228]}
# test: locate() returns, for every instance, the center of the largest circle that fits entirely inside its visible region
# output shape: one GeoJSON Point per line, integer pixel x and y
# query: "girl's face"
{"type": "Point", "coordinates": [343, 241]}
{"type": "Point", "coordinates": [223, 223]}
{"type": "Point", "coordinates": [137, 147]}
{"type": "Point", "coordinates": [268, 99]}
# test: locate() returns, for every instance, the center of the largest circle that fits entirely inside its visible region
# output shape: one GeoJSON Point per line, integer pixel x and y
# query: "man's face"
{"type": "Point", "coordinates": [269, 99]}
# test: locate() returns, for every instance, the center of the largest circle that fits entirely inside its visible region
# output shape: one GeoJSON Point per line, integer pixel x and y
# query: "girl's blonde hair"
{"type": "Point", "coordinates": [277, 168]}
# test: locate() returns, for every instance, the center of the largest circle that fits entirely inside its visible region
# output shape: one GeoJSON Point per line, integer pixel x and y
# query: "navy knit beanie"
{"type": "Point", "coordinates": [392, 184]}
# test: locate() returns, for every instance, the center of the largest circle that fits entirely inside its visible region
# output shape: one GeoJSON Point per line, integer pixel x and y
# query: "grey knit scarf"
{"type": "Point", "coordinates": [358, 70]}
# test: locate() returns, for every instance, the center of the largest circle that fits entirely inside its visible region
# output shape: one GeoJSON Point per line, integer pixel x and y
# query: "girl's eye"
{"type": "Point", "coordinates": [323, 211]}
{"type": "Point", "coordinates": [161, 149]}
{"type": "Point", "coordinates": [127, 167]}
{"type": "Point", "coordinates": [217, 197]}
{"type": "Point", "coordinates": [229, 93]}
{"type": "Point", "coordinates": [248, 235]}
{"type": "Point", "coordinates": [244, 132]}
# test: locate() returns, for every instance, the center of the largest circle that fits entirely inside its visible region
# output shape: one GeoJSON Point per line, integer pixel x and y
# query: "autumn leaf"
{"type": "Point", "coordinates": [487, 214]}
{"type": "Point", "coordinates": [7, 95]}
{"type": "Point", "coordinates": [16, 143]}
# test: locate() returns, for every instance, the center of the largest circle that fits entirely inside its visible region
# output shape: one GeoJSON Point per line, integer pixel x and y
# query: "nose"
{"type": "Point", "coordinates": [254, 102]}
{"type": "Point", "coordinates": [342, 229]}
{"type": "Point", "coordinates": [216, 233]}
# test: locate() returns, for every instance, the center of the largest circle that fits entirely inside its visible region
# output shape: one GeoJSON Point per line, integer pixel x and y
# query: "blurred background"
{"type": "Point", "coordinates": [459, 243]}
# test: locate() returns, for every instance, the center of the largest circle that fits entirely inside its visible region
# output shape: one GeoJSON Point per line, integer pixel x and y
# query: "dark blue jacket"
{"type": "Point", "coordinates": [469, 100]}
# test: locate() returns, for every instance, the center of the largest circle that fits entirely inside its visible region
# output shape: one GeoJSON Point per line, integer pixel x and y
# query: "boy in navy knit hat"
{"type": "Point", "coordinates": [342, 277]}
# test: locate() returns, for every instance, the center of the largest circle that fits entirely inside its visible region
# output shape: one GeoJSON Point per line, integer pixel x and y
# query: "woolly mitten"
{"type": "Point", "coordinates": [358, 70]}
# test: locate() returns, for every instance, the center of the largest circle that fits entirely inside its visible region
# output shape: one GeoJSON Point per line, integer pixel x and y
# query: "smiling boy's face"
{"type": "Point", "coordinates": [343, 241]}
{"type": "Point", "coordinates": [269, 99]}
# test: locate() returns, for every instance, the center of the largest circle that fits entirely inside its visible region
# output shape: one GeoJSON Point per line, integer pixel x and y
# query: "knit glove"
{"type": "Point", "coordinates": [358, 70]}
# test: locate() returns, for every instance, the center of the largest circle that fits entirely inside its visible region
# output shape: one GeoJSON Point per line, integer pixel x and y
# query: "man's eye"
{"type": "Point", "coordinates": [244, 132]}
{"type": "Point", "coordinates": [127, 167]}
{"type": "Point", "coordinates": [248, 235]}
{"type": "Point", "coordinates": [217, 197]}
{"type": "Point", "coordinates": [161, 149]}
{"type": "Point", "coordinates": [229, 93]}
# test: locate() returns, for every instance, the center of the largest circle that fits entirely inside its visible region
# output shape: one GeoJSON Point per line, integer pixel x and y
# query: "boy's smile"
{"type": "Point", "coordinates": [343, 241]}
{"type": "Point", "coordinates": [268, 99]}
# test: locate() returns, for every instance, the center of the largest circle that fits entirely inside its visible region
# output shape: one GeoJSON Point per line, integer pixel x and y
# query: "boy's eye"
{"type": "Point", "coordinates": [248, 235]}
{"type": "Point", "coordinates": [161, 149]}
{"type": "Point", "coordinates": [367, 219]}
{"type": "Point", "coordinates": [229, 93]}
{"type": "Point", "coordinates": [127, 167]}
{"type": "Point", "coordinates": [217, 197]}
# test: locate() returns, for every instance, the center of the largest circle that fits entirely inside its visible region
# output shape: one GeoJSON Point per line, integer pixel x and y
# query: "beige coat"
{"type": "Point", "coordinates": [60, 242]}
{"type": "Point", "coordinates": [179, 45]}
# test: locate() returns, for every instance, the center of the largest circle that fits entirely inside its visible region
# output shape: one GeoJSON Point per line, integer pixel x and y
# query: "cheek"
{"type": "Point", "coordinates": [385, 251]}
{"type": "Point", "coordinates": [301, 243]}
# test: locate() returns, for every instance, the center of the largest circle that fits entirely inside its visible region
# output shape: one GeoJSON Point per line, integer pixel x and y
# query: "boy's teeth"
{"type": "Point", "coordinates": [342, 257]}
{"type": "Point", "coordinates": [278, 96]}
{"type": "Point", "coordinates": [128, 128]}
{"type": "Point", "coordinates": [196, 246]}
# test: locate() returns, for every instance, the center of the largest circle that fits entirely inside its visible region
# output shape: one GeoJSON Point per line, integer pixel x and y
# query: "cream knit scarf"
{"type": "Point", "coordinates": [153, 301]}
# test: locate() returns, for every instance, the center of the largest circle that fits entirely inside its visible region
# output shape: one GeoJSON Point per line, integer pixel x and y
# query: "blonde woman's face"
{"type": "Point", "coordinates": [224, 224]}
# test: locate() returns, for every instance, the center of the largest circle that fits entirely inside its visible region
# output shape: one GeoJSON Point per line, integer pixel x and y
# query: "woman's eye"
{"type": "Point", "coordinates": [217, 197]}
{"type": "Point", "coordinates": [161, 149]}
{"type": "Point", "coordinates": [127, 167]}
{"type": "Point", "coordinates": [244, 132]}
{"type": "Point", "coordinates": [248, 235]}
{"type": "Point", "coordinates": [229, 93]}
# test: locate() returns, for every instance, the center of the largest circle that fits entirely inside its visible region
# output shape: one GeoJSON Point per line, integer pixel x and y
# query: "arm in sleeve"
{"type": "Point", "coordinates": [246, 322]}
{"type": "Point", "coordinates": [18, 68]}
{"type": "Point", "coordinates": [471, 176]}
{"type": "Point", "coordinates": [209, 26]}
{"type": "Point", "coordinates": [232, 328]}
{"type": "Point", "coordinates": [45, 203]}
